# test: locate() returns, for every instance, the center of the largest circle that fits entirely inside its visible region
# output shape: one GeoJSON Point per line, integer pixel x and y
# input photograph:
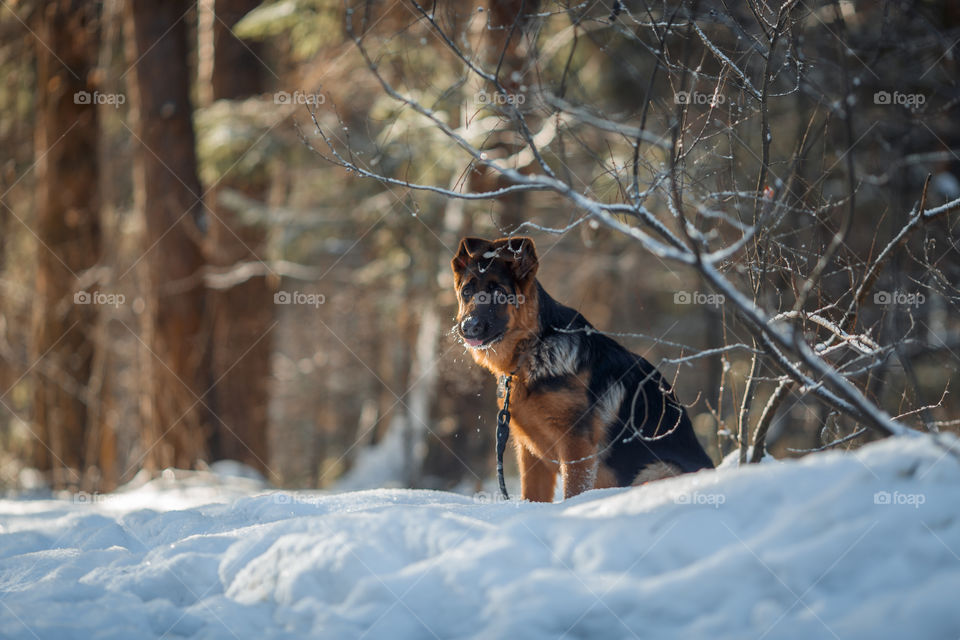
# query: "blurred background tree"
{"type": "Point", "coordinates": [67, 228]}
{"type": "Point", "coordinates": [272, 306]}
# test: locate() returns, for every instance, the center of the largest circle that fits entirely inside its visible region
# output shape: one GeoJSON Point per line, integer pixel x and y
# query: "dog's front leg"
{"type": "Point", "coordinates": [579, 466]}
{"type": "Point", "coordinates": [537, 476]}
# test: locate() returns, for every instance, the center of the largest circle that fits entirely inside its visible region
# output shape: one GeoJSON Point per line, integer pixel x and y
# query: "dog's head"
{"type": "Point", "coordinates": [494, 280]}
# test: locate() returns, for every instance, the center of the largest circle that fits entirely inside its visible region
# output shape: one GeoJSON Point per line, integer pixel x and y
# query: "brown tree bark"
{"type": "Point", "coordinates": [243, 314]}
{"type": "Point", "coordinates": [506, 54]}
{"type": "Point", "coordinates": [174, 360]}
{"type": "Point", "coordinates": [67, 228]}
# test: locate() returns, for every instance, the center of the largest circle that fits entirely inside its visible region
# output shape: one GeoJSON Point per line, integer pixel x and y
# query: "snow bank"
{"type": "Point", "coordinates": [837, 545]}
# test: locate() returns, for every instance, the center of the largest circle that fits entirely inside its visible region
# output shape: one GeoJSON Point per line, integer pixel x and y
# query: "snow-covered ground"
{"type": "Point", "coordinates": [858, 545]}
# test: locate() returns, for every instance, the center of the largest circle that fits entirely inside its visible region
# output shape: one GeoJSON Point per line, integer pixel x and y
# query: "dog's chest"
{"type": "Point", "coordinates": [543, 418]}
{"type": "Point", "coordinates": [558, 356]}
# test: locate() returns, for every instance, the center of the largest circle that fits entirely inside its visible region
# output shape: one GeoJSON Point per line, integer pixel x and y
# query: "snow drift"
{"type": "Point", "coordinates": [860, 545]}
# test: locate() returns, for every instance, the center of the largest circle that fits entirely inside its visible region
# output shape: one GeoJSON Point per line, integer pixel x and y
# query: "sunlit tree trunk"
{"type": "Point", "coordinates": [242, 315]}
{"type": "Point", "coordinates": [67, 229]}
{"type": "Point", "coordinates": [506, 53]}
{"type": "Point", "coordinates": [173, 404]}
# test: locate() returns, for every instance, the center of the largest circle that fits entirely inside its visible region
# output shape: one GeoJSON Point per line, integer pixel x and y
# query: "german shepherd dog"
{"type": "Point", "coordinates": [581, 403]}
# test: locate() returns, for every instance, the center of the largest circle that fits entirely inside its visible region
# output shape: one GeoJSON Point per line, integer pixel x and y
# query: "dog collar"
{"type": "Point", "coordinates": [502, 384]}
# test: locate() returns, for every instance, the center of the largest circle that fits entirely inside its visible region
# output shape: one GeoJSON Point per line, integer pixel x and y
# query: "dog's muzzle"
{"type": "Point", "coordinates": [472, 329]}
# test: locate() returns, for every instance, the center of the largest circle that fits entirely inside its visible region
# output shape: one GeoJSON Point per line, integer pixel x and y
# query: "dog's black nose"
{"type": "Point", "coordinates": [471, 327]}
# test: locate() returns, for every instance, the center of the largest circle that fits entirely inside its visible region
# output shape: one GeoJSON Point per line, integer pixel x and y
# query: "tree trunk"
{"type": "Point", "coordinates": [67, 228]}
{"type": "Point", "coordinates": [422, 394]}
{"type": "Point", "coordinates": [243, 314]}
{"type": "Point", "coordinates": [507, 53]}
{"type": "Point", "coordinates": [174, 416]}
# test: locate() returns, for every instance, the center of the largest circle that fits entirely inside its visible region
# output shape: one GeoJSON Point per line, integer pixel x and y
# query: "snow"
{"type": "Point", "coordinates": [860, 545]}
{"type": "Point", "coordinates": [382, 464]}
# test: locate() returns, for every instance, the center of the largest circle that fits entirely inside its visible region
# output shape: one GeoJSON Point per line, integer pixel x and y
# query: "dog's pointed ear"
{"type": "Point", "coordinates": [523, 256]}
{"type": "Point", "coordinates": [468, 249]}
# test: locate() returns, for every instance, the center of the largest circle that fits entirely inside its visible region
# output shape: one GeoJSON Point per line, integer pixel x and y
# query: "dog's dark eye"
{"type": "Point", "coordinates": [467, 292]}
